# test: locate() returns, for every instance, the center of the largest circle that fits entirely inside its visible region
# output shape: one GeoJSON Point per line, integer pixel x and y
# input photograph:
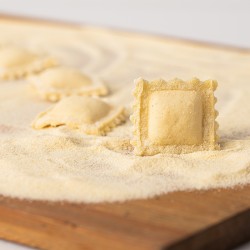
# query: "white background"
{"type": "Point", "coordinates": [217, 21]}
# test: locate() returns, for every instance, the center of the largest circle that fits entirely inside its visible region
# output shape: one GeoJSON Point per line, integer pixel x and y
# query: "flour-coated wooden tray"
{"type": "Point", "coordinates": [216, 219]}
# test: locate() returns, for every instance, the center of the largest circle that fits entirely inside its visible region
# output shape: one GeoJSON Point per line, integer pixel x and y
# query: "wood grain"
{"type": "Point", "coordinates": [215, 219]}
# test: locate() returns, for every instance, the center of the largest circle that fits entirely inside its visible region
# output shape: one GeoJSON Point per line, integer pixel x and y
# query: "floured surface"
{"type": "Point", "coordinates": [60, 164]}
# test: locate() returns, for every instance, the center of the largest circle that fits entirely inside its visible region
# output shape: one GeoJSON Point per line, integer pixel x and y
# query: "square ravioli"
{"type": "Point", "coordinates": [174, 116]}
{"type": "Point", "coordinates": [171, 113]}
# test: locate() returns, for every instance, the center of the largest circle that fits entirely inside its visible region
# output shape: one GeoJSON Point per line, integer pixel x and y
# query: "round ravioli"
{"type": "Point", "coordinates": [14, 57]}
{"type": "Point", "coordinates": [82, 109]}
{"type": "Point", "coordinates": [59, 82]}
{"type": "Point", "coordinates": [91, 115]}
{"type": "Point", "coordinates": [18, 62]}
{"type": "Point", "coordinates": [64, 78]}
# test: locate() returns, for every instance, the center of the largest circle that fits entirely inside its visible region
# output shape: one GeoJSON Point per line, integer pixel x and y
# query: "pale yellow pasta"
{"type": "Point", "coordinates": [16, 62]}
{"type": "Point", "coordinates": [59, 82]}
{"type": "Point", "coordinates": [174, 116]}
{"type": "Point", "coordinates": [89, 114]}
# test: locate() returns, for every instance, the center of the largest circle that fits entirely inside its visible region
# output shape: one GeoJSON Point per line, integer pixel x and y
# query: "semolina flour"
{"type": "Point", "coordinates": [62, 164]}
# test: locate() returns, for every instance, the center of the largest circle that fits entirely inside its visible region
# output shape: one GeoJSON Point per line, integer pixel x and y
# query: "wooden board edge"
{"type": "Point", "coordinates": [19, 244]}
{"type": "Point", "coordinates": [222, 234]}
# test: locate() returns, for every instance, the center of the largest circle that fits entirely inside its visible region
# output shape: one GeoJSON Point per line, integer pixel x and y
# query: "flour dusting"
{"type": "Point", "coordinates": [62, 164]}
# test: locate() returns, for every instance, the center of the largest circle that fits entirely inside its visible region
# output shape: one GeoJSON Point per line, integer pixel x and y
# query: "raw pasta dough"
{"type": "Point", "coordinates": [174, 116]}
{"type": "Point", "coordinates": [18, 62]}
{"type": "Point", "coordinates": [91, 115]}
{"type": "Point", "coordinates": [56, 83]}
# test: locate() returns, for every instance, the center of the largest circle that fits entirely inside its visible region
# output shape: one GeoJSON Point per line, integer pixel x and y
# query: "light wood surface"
{"type": "Point", "coordinates": [215, 219]}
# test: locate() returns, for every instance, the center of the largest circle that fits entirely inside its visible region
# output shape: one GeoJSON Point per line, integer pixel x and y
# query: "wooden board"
{"type": "Point", "coordinates": [215, 219]}
{"type": "Point", "coordinates": [184, 220]}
